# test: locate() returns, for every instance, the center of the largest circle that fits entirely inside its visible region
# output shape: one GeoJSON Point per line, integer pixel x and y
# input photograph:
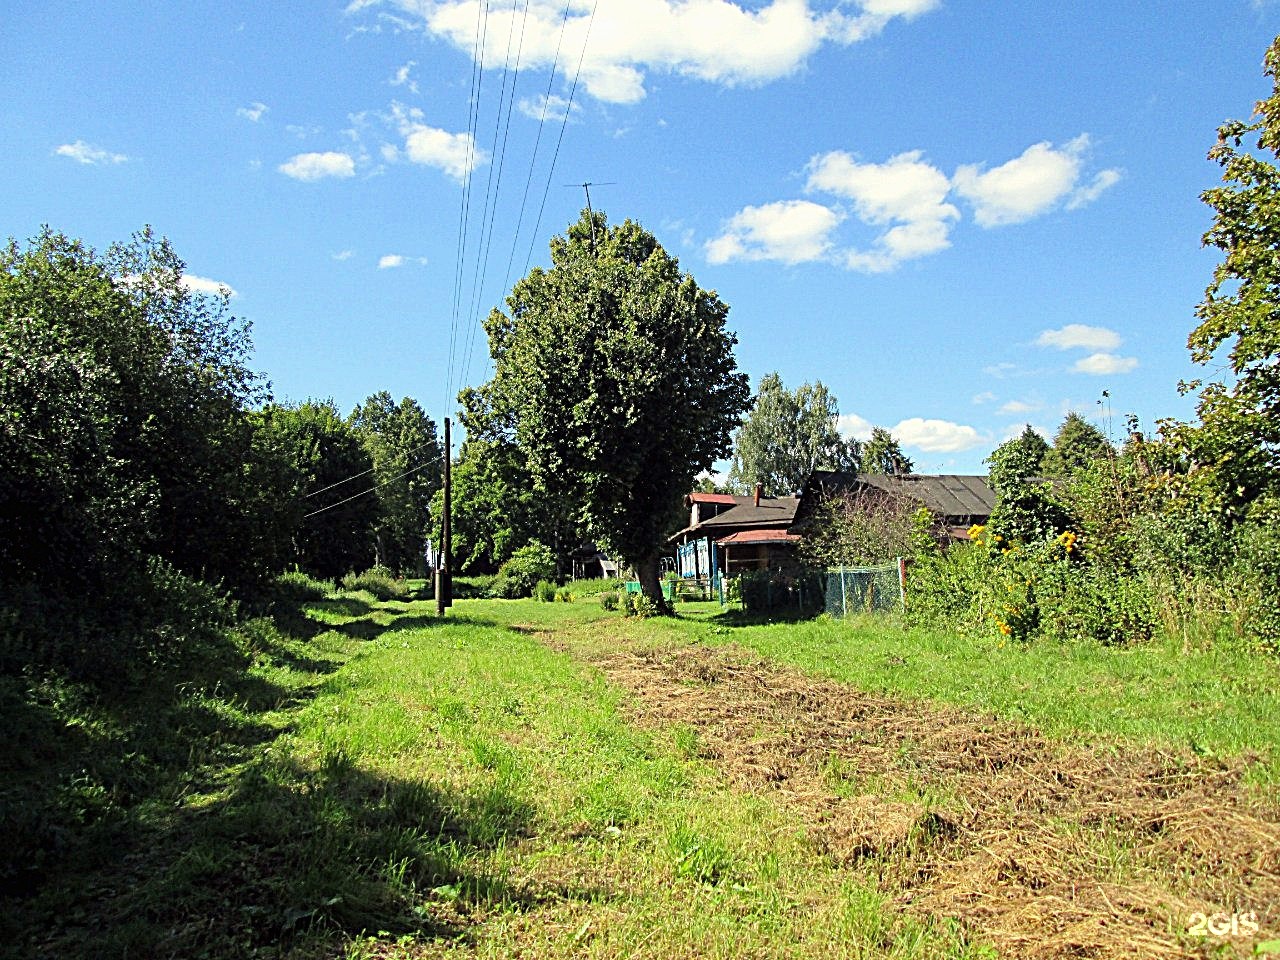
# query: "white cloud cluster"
{"type": "Point", "coordinates": [198, 284]}
{"type": "Point", "coordinates": [1078, 336]}
{"type": "Point", "coordinates": [790, 231]}
{"type": "Point", "coordinates": [253, 112]}
{"type": "Point", "coordinates": [87, 153]}
{"type": "Point", "coordinates": [402, 77]}
{"type": "Point", "coordinates": [936, 436]}
{"type": "Point", "coordinates": [456, 154]}
{"type": "Point", "coordinates": [908, 200]}
{"type": "Point", "coordinates": [549, 108]}
{"type": "Point", "coordinates": [717, 41]}
{"type": "Point", "coordinates": [932, 436]}
{"type": "Point", "coordinates": [310, 167]}
{"type": "Point", "coordinates": [392, 260]}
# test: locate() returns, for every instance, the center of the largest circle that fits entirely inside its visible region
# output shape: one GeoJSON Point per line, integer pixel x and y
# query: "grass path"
{"type": "Point", "coordinates": [547, 780]}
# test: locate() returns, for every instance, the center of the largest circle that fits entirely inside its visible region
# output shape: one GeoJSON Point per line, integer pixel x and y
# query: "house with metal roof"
{"type": "Point", "coordinates": [728, 534]}
{"type": "Point", "coordinates": [957, 500]}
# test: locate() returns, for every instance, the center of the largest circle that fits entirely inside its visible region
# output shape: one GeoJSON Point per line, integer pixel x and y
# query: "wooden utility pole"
{"type": "Point", "coordinates": [444, 575]}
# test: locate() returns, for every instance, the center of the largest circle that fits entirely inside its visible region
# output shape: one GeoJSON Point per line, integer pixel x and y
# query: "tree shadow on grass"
{"type": "Point", "coordinates": [733, 617]}
{"type": "Point", "coordinates": [293, 855]}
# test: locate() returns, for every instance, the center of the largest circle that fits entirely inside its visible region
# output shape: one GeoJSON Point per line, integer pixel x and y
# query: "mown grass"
{"type": "Point", "coordinates": [1216, 700]}
{"type": "Point", "coordinates": [361, 778]}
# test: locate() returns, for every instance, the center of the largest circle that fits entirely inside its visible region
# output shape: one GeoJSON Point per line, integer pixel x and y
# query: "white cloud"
{"type": "Point", "coordinates": [456, 154]}
{"type": "Point", "coordinates": [343, 255]}
{"type": "Point", "coordinates": [253, 113]}
{"type": "Point", "coordinates": [550, 108]}
{"type": "Point", "coordinates": [850, 425]}
{"type": "Point", "coordinates": [392, 260]}
{"type": "Point", "coordinates": [986, 396]}
{"type": "Point", "coordinates": [1082, 196]}
{"type": "Point", "coordinates": [1079, 335]}
{"type": "Point", "coordinates": [1028, 185]}
{"type": "Point", "coordinates": [790, 231]}
{"type": "Point", "coordinates": [903, 191]}
{"type": "Point", "coordinates": [936, 436]}
{"type": "Point", "coordinates": [403, 79]}
{"type": "Point", "coordinates": [1104, 364]}
{"type": "Point", "coordinates": [717, 41]}
{"type": "Point", "coordinates": [317, 166]}
{"type": "Point", "coordinates": [1014, 407]}
{"type": "Point", "coordinates": [198, 284]}
{"type": "Point", "coordinates": [87, 153]}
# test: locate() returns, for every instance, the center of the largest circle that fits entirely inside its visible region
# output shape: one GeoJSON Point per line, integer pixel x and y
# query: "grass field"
{"type": "Point", "coordinates": [551, 780]}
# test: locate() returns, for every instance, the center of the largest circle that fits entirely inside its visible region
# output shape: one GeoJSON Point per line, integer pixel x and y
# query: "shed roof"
{"type": "Point", "coordinates": [758, 536]}
{"type": "Point", "coordinates": [947, 495]}
{"type": "Point", "coordinates": [725, 498]}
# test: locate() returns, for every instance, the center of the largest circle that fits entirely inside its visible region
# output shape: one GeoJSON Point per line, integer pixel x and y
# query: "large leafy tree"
{"type": "Point", "coordinates": [1077, 445]}
{"type": "Point", "coordinates": [787, 436]}
{"type": "Point", "coordinates": [883, 454]}
{"type": "Point", "coordinates": [124, 431]}
{"type": "Point", "coordinates": [1238, 438]}
{"type": "Point", "coordinates": [615, 374]}
{"type": "Point", "coordinates": [1025, 509]}
{"type": "Point", "coordinates": [333, 507]}
{"type": "Point", "coordinates": [402, 442]}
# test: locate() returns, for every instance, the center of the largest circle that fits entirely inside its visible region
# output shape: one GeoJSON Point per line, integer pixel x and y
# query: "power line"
{"type": "Point", "coordinates": [477, 87]}
{"type": "Point", "coordinates": [357, 476]}
{"type": "Point", "coordinates": [362, 493]}
{"type": "Point", "coordinates": [559, 140]}
{"type": "Point", "coordinates": [495, 179]}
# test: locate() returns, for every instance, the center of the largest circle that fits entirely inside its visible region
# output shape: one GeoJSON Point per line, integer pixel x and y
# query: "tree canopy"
{"type": "Point", "coordinates": [123, 424]}
{"type": "Point", "coordinates": [1239, 434]}
{"type": "Point", "coordinates": [883, 454]}
{"type": "Point", "coordinates": [786, 436]}
{"type": "Point", "coordinates": [407, 468]}
{"type": "Point", "coordinates": [615, 374]}
{"type": "Point", "coordinates": [1077, 445]}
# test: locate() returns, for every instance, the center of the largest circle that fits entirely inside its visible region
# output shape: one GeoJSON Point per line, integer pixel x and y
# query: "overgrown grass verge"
{"type": "Point", "coordinates": [377, 782]}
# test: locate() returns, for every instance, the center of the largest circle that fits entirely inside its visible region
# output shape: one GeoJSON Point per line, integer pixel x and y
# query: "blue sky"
{"type": "Point", "coordinates": [962, 217]}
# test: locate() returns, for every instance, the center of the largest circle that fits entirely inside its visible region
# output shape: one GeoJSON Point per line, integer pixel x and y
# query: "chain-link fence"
{"type": "Point", "coordinates": [852, 590]}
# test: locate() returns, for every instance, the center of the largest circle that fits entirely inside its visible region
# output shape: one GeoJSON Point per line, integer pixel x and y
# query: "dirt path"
{"type": "Point", "coordinates": [1041, 848]}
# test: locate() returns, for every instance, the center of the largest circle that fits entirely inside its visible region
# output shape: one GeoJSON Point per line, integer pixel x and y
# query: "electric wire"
{"type": "Point", "coordinates": [477, 87]}
{"type": "Point", "coordinates": [362, 493]}
{"type": "Point", "coordinates": [560, 139]}
{"type": "Point", "coordinates": [491, 210]}
{"type": "Point", "coordinates": [357, 476]}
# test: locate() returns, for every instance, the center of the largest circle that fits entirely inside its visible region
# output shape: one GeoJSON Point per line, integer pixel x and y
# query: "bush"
{"type": "Point", "coordinates": [379, 581]}
{"type": "Point", "coordinates": [609, 600]}
{"type": "Point", "coordinates": [521, 573]}
{"type": "Point", "coordinates": [545, 591]}
{"type": "Point", "coordinates": [564, 596]}
{"type": "Point", "coordinates": [300, 586]}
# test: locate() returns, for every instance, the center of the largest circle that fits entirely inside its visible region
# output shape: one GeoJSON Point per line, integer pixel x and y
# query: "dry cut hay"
{"type": "Point", "coordinates": [1041, 848]}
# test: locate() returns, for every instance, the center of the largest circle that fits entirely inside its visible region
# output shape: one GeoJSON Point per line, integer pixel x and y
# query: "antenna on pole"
{"type": "Point", "coordinates": [586, 188]}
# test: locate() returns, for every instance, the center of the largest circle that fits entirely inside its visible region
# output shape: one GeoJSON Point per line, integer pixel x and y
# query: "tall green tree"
{"type": "Point", "coordinates": [1077, 445]}
{"type": "Point", "coordinates": [786, 436]}
{"type": "Point", "coordinates": [1025, 508]}
{"type": "Point", "coordinates": [615, 374]}
{"type": "Point", "coordinates": [1238, 439]}
{"type": "Point", "coordinates": [407, 468]}
{"type": "Point", "coordinates": [124, 431]}
{"type": "Point", "coordinates": [883, 454]}
{"type": "Point", "coordinates": [333, 508]}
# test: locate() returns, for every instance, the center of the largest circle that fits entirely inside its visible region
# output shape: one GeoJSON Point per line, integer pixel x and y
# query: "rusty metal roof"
{"type": "Point", "coordinates": [758, 536]}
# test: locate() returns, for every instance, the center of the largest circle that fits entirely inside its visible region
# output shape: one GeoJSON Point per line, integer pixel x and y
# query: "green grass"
{"type": "Point", "coordinates": [1216, 701]}
{"type": "Point", "coordinates": [360, 778]}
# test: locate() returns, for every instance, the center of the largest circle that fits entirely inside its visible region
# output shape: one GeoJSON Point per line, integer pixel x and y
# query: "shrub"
{"type": "Point", "coordinates": [609, 600]}
{"type": "Point", "coordinates": [300, 586]}
{"type": "Point", "coordinates": [379, 581]}
{"type": "Point", "coordinates": [564, 596]}
{"type": "Point", "coordinates": [521, 573]}
{"type": "Point", "coordinates": [545, 591]}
